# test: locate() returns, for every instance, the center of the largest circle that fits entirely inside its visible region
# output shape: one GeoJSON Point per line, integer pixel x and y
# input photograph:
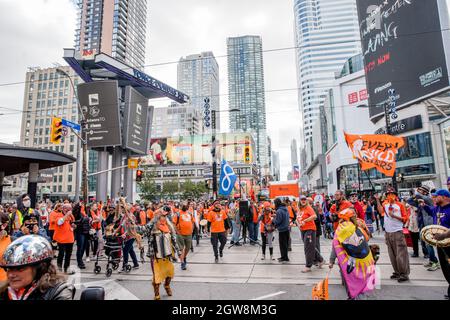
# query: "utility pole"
{"type": "Point", "coordinates": [390, 111]}
{"type": "Point", "coordinates": [214, 153]}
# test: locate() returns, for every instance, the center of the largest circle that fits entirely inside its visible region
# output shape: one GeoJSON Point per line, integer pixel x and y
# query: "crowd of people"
{"type": "Point", "coordinates": [172, 229]}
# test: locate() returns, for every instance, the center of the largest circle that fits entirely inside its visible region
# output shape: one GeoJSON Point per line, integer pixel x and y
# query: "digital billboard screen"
{"type": "Point", "coordinates": [402, 45]}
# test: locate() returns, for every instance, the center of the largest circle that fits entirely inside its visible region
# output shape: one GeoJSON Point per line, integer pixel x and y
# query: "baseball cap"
{"type": "Point", "coordinates": [441, 192]}
{"type": "Point", "coordinates": [303, 198]}
{"type": "Point", "coordinates": [448, 180]}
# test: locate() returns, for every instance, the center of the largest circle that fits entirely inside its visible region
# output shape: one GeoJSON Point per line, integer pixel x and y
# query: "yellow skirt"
{"type": "Point", "coordinates": [162, 269]}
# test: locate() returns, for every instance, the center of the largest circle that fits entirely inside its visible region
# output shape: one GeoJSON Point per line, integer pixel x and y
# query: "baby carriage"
{"type": "Point", "coordinates": [113, 250]}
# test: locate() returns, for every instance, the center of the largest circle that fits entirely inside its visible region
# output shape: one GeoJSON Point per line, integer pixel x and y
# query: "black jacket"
{"type": "Point", "coordinates": [62, 291]}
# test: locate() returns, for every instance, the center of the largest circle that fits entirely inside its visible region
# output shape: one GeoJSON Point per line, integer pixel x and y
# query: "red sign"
{"type": "Point", "coordinates": [353, 98]}
{"type": "Point", "coordinates": [363, 95]}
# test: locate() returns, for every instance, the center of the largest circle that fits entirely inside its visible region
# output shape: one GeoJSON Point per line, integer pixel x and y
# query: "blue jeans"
{"type": "Point", "coordinates": [129, 250]}
{"type": "Point", "coordinates": [81, 247]}
{"type": "Point", "coordinates": [236, 231]}
{"type": "Point", "coordinates": [253, 231]}
{"type": "Point", "coordinates": [431, 254]}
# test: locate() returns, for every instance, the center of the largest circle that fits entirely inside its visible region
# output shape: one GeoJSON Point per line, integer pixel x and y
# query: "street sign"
{"type": "Point", "coordinates": [100, 106]}
{"type": "Point", "coordinates": [133, 163]}
{"type": "Point", "coordinates": [136, 129]}
{"type": "Point", "coordinates": [69, 124]}
{"type": "Point", "coordinates": [64, 131]}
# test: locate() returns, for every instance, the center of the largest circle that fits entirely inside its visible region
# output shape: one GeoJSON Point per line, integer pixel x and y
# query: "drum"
{"type": "Point", "coordinates": [428, 232]}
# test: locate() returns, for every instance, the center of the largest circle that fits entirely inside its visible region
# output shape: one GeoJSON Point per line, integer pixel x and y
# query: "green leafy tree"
{"type": "Point", "coordinates": [148, 188]}
{"type": "Point", "coordinates": [169, 189]}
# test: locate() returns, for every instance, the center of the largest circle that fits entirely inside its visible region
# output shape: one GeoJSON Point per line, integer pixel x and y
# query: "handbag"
{"type": "Point", "coordinates": [408, 238]}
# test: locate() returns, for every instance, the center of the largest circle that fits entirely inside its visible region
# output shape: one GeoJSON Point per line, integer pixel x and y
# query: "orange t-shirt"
{"type": "Point", "coordinates": [143, 218]}
{"type": "Point", "coordinates": [150, 214]}
{"type": "Point", "coordinates": [344, 205]}
{"type": "Point", "coordinates": [267, 219]}
{"type": "Point", "coordinates": [94, 216]}
{"type": "Point", "coordinates": [3, 244]}
{"type": "Point", "coordinates": [64, 233]}
{"type": "Point", "coordinates": [184, 223]}
{"type": "Point", "coordinates": [217, 221]}
{"type": "Point", "coordinates": [305, 213]}
{"type": "Point", "coordinates": [291, 213]}
{"type": "Point", "coordinates": [52, 220]}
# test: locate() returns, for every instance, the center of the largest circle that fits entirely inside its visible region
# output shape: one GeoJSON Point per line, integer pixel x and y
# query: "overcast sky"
{"type": "Point", "coordinates": [34, 33]}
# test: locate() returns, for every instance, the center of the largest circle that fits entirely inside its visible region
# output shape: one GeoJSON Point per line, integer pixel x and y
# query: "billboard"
{"type": "Point", "coordinates": [196, 149]}
{"type": "Point", "coordinates": [402, 44]}
{"type": "Point", "coordinates": [137, 126]}
{"type": "Point", "coordinates": [100, 105]}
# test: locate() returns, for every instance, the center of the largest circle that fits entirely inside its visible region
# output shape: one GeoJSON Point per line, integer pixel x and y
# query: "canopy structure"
{"type": "Point", "coordinates": [103, 66]}
{"type": "Point", "coordinates": [16, 160]}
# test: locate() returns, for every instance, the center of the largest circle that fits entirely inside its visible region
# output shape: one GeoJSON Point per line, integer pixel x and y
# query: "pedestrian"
{"type": "Point", "coordinates": [216, 219]}
{"type": "Point", "coordinates": [267, 228]}
{"type": "Point", "coordinates": [64, 236]}
{"type": "Point", "coordinates": [319, 221]}
{"type": "Point", "coordinates": [253, 224]}
{"type": "Point", "coordinates": [126, 231]}
{"type": "Point", "coordinates": [5, 240]}
{"type": "Point", "coordinates": [196, 231]}
{"type": "Point", "coordinates": [292, 218]}
{"type": "Point", "coordinates": [96, 224]}
{"type": "Point", "coordinates": [30, 226]}
{"type": "Point", "coordinates": [281, 223]}
{"type": "Point", "coordinates": [184, 224]}
{"type": "Point", "coordinates": [162, 246]}
{"type": "Point", "coordinates": [81, 233]}
{"type": "Point", "coordinates": [413, 227]}
{"type": "Point", "coordinates": [305, 221]}
{"type": "Point", "coordinates": [369, 216]}
{"type": "Point", "coordinates": [339, 204]}
{"type": "Point", "coordinates": [419, 197]}
{"type": "Point", "coordinates": [31, 275]}
{"type": "Point", "coordinates": [395, 218]}
{"type": "Point", "coordinates": [236, 224]}
{"type": "Point", "coordinates": [357, 205]}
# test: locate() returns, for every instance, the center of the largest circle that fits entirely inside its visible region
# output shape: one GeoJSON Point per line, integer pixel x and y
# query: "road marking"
{"type": "Point", "coordinates": [269, 295]}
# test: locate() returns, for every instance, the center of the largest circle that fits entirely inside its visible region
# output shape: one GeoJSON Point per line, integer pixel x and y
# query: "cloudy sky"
{"type": "Point", "coordinates": [34, 32]}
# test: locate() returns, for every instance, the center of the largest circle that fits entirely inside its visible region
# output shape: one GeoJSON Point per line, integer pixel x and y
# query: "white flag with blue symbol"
{"type": "Point", "coordinates": [227, 179]}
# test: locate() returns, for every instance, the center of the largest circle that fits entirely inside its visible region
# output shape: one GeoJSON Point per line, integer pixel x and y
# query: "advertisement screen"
{"type": "Point", "coordinates": [196, 149]}
{"type": "Point", "coordinates": [403, 50]}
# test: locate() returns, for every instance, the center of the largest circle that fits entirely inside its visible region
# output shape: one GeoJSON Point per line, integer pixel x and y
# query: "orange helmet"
{"type": "Point", "coordinates": [346, 214]}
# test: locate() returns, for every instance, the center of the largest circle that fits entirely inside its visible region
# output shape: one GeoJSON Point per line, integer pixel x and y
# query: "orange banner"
{"type": "Point", "coordinates": [375, 151]}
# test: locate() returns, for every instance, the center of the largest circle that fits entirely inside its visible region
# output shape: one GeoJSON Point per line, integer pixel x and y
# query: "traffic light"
{"type": "Point", "coordinates": [139, 175]}
{"type": "Point", "coordinates": [56, 131]}
{"type": "Point", "coordinates": [247, 155]}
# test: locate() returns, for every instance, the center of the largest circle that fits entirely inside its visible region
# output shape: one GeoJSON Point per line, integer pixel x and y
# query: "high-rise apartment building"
{"type": "Point", "coordinates": [114, 27]}
{"type": "Point", "coordinates": [49, 94]}
{"type": "Point", "coordinates": [176, 120]}
{"type": "Point", "coordinates": [326, 35]}
{"type": "Point", "coordinates": [198, 77]}
{"type": "Point", "coordinates": [294, 153]}
{"type": "Point", "coordinates": [246, 90]}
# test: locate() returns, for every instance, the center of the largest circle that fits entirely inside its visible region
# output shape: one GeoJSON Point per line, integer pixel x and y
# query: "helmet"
{"type": "Point", "coordinates": [26, 250]}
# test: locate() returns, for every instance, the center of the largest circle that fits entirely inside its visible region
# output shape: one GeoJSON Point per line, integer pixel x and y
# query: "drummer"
{"type": "Point", "coordinates": [442, 211]}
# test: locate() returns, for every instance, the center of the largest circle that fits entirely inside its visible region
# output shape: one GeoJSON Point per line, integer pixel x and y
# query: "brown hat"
{"type": "Point", "coordinates": [424, 189]}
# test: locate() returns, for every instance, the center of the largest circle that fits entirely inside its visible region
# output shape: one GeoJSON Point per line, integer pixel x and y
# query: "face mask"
{"type": "Point", "coordinates": [27, 203]}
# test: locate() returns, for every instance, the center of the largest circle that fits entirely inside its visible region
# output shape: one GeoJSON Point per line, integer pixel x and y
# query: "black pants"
{"type": "Point", "coordinates": [444, 255]}
{"type": "Point", "coordinates": [64, 253]}
{"type": "Point", "coordinates": [309, 242]}
{"type": "Point", "coordinates": [215, 238]}
{"type": "Point", "coordinates": [265, 242]}
{"type": "Point", "coordinates": [283, 239]}
{"type": "Point", "coordinates": [290, 240]}
{"type": "Point", "coordinates": [415, 242]}
{"type": "Point", "coordinates": [195, 234]}
{"type": "Point", "coordinates": [244, 230]}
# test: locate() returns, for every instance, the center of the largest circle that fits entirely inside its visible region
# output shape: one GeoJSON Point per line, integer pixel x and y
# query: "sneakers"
{"type": "Point", "coordinates": [414, 255]}
{"type": "Point", "coordinates": [88, 259]}
{"type": "Point", "coordinates": [183, 266]}
{"type": "Point", "coordinates": [82, 267]}
{"type": "Point", "coordinates": [306, 270]}
{"type": "Point", "coordinates": [428, 264]}
{"type": "Point", "coordinates": [216, 260]}
{"type": "Point", "coordinates": [434, 266]}
{"type": "Point", "coordinates": [272, 258]}
{"type": "Point", "coordinates": [263, 258]}
{"type": "Point", "coordinates": [395, 276]}
{"type": "Point", "coordinates": [238, 244]}
{"type": "Point", "coordinates": [402, 279]}
{"type": "Point", "coordinates": [136, 267]}
{"type": "Point", "coordinates": [221, 254]}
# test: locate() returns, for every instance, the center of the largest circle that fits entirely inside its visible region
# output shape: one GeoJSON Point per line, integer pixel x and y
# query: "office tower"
{"type": "Point", "coordinates": [326, 35]}
{"type": "Point", "coordinates": [49, 94]}
{"type": "Point", "coordinates": [176, 120]}
{"type": "Point", "coordinates": [246, 90]}
{"type": "Point", "coordinates": [114, 27]}
{"type": "Point", "coordinates": [198, 77]}
{"type": "Point", "coordinates": [294, 153]}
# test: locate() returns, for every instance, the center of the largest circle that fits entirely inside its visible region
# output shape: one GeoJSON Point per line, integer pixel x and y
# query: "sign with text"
{"type": "Point", "coordinates": [375, 151]}
{"type": "Point", "coordinates": [136, 130]}
{"type": "Point", "coordinates": [100, 105]}
{"type": "Point", "coordinates": [402, 126]}
{"type": "Point", "coordinates": [402, 43]}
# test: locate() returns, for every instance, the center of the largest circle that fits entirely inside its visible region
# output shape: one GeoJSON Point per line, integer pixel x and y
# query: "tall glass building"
{"type": "Point", "coordinates": [198, 77]}
{"type": "Point", "coordinates": [246, 90]}
{"type": "Point", "coordinates": [114, 27]}
{"type": "Point", "coordinates": [326, 35]}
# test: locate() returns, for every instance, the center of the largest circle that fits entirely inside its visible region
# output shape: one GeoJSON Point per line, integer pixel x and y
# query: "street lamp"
{"type": "Point", "coordinates": [81, 138]}
{"type": "Point", "coordinates": [213, 148]}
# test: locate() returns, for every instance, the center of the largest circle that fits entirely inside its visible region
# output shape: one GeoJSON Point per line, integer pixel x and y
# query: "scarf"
{"type": "Point", "coordinates": [22, 294]}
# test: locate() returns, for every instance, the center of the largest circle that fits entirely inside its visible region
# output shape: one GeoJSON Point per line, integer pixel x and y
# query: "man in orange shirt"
{"type": "Point", "coordinates": [216, 219]}
{"type": "Point", "coordinates": [64, 236]}
{"type": "Point", "coordinates": [307, 225]}
{"type": "Point", "coordinates": [339, 205]}
{"type": "Point", "coordinates": [52, 225]}
{"type": "Point", "coordinates": [184, 223]}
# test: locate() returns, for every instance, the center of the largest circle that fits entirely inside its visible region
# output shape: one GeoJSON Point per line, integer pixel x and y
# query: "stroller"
{"type": "Point", "coordinates": [113, 250]}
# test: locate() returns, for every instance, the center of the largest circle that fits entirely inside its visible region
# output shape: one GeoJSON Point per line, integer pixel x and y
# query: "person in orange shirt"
{"type": "Point", "coordinates": [339, 205]}
{"type": "Point", "coordinates": [64, 236]}
{"type": "Point", "coordinates": [216, 219]}
{"type": "Point", "coordinates": [267, 228]}
{"type": "Point", "coordinates": [96, 216]}
{"type": "Point", "coordinates": [150, 212]}
{"type": "Point", "coordinates": [306, 222]}
{"type": "Point", "coordinates": [52, 225]}
{"type": "Point", "coordinates": [184, 223]}
{"type": "Point", "coordinates": [253, 224]}
{"type": "Point", "coordinates": [5, 240]}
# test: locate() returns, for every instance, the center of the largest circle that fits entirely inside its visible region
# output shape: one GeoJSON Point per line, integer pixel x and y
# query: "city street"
{"type": "Point", "coordinates": [242, 275]}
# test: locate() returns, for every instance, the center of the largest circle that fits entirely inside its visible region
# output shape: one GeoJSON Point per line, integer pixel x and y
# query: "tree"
{"type": "Point", "coordinates": [148, 188]}
{"type": "Point", "coordinates": [169, 189]}
{"type": "Point", "coordinates": [192, 190]}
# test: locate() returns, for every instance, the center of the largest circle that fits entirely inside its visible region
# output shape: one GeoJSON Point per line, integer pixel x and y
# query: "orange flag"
{"type": "Point", "coordinates": [375, 151]}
